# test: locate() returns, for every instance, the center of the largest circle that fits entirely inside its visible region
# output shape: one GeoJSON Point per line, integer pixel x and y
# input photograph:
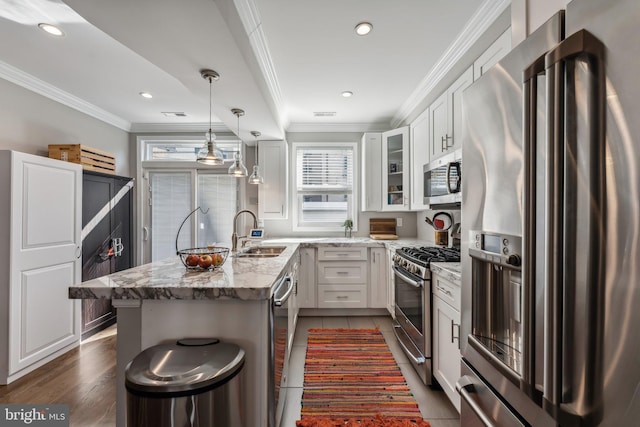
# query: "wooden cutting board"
{"type": "Point", "coordinates": [382, 228]}
{"type": "Point", "coordinates": [383, 236]}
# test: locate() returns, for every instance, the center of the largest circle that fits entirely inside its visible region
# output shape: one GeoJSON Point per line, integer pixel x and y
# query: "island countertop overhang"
{"type": "Point", "coordinates": [242, 278]}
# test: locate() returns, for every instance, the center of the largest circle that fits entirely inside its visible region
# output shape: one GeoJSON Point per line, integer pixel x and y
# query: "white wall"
{"type": "Point", "coordinates": [30, 122]}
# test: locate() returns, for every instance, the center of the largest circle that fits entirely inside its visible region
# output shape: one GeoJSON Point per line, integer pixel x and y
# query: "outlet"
{"type": "Point", "coordinates": [399, 222]}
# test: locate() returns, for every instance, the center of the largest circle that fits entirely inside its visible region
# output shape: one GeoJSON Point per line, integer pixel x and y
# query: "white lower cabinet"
{"type": "Point", "coordinates": [306, 297]}
{"type": "Point", "coordinates": [345, 277]}
{"type": "Point", "coordinates": [446, 338]}
{"type": "Point", "coordinates": [378, 266]}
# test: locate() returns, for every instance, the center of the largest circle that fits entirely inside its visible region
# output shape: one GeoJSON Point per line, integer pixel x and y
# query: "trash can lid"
{"type": "Point", "coordinates": [172, 368]}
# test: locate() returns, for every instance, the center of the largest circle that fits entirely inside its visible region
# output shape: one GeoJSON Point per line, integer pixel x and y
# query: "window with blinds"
{"type": "Point", "coordinates": [324, 186]}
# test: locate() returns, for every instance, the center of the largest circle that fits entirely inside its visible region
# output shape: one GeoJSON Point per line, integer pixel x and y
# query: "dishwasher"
{"type": "Point", "coordinates": [278, 360]}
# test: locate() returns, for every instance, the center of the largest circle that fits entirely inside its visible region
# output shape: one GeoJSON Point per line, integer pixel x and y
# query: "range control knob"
{"type": "Point", "coordinates": [514, 260]}
{"type": "Point", "coordinates": [418, 271]}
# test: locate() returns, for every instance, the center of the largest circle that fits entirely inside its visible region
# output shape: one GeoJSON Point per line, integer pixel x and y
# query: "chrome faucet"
{"type": "Point", "coordinates": [234, 236]}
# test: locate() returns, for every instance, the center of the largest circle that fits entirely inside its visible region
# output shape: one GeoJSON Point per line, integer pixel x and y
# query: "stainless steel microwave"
{"type": "Point", "coordinates": [443, 180]}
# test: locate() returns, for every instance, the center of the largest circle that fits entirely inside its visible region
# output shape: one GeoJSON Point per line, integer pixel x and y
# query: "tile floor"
{"type": "Point", "coordinates": [434, 405]}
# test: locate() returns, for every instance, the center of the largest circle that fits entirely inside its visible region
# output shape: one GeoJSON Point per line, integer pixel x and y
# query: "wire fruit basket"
{"type": "Point", "coordinates": [203, 258]}
{"type": "Point", "coordinates": [208, 258]}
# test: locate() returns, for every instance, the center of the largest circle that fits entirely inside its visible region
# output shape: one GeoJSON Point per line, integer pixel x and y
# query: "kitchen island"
{"type": "Point", "coordinates": [162, 301]}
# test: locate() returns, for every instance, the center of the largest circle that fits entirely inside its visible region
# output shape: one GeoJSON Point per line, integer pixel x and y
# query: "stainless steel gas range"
{"type": "Point", "coordinates": [413, 302]}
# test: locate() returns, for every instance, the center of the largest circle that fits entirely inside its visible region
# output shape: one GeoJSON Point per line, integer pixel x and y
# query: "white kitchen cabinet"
{"type": "Point", "coordinates": [493, 54]}
{"type": "Point", "coordinates": [378, 278]}
{"type": "Point", "coordinates": [371, 167]}
{"type": "Point", "coordinates": [396, 170]}
{"type": "Point", "coordinates": [307, 288]}
{"type": "Point", "coordinates": [342, 277]}
{"type": "Point", "coordinates": [272, 194]}
{"type": "Point", "coordinates": [446, 117]}
{"type": "Point", "coordinates": [40, 251]}
{"type": "Point", "coordinates": [446, 338]}
{"type": "Point", "coordinates": [419, 155]}
{"type": "Point", "coordinates": [391, 286]}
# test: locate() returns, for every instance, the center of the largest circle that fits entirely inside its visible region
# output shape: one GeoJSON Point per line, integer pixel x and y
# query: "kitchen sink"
{"type": "Point", "coordinates": [261, 252]}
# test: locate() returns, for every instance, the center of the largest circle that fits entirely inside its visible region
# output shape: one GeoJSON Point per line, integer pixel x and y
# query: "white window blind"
{"type": "Point", "coordinates": [325, 186]}
{"type": "Point", "coordinates": [170, 204]}
{"type": "Point", "coordinates": [218, 194]}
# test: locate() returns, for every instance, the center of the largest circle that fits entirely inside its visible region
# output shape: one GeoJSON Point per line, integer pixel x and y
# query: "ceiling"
{"type": "Point", "coordinates": [279, 60]}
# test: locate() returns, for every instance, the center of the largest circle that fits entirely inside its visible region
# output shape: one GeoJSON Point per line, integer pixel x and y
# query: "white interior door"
{"type": "Point", "coordinates": [46, 212]}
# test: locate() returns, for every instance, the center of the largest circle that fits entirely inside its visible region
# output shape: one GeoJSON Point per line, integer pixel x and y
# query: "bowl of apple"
{"type": "Point", "coordinates": [203, 258]}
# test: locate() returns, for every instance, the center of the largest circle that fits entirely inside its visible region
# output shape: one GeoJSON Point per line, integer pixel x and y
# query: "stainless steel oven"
{"type": "Point", "coordinates": [413, 302]}
{"type": "Point", "coordinates": [413, 319]}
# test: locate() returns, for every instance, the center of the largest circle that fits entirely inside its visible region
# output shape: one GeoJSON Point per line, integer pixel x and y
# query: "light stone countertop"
{"type": "Point", "coordinates": [451, 271]}
{"type": "Point", "coordinates": [238, 278]}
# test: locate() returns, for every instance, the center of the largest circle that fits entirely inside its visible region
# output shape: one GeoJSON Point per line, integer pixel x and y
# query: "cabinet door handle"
{"type": "Point", "coordinates": [453, 337]}
{"type": "Point", "coordinates": [443, 290]}
{"type": "Point", "coordinates": [342, 297]}
{"type": "Point", "coordinates": [342, 273]}
{"type": "Point", "coordinates": [145, 233]}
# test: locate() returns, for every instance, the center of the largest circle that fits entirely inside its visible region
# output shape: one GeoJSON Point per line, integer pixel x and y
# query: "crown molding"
{"type": "Point", "coordinates": [34, 84]}
{"type": "Point", "coordinates": [338, 127]}
{"type": "Point", "coordinates": [484, 17]}
{"type": "Point", "coordinates": [250, 18]}
{"type": "Point", "coordinates": [178, 127]}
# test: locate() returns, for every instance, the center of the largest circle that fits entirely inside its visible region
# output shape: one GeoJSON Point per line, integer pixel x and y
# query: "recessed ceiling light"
{"type": "Point", "coordinates": [174, 114]}
{"type": "Point", "coordinates": [146, 95]}
{"type": "Point", "coordinates": [347, 94]}
{"type": "Point", "coordinates": [324, 113]}
{"type": "Point", "coordinates": [363, 28]}
{"type": "Point", "coordinates": [51, 29]}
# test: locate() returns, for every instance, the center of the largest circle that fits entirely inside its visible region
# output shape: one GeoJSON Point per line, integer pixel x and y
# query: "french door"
{"type": "Point", "coordinates": [170, 195]}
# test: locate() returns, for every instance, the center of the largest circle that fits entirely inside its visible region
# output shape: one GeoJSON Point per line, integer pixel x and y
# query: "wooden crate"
{"type": "Point", "coordinates": [90, 158]}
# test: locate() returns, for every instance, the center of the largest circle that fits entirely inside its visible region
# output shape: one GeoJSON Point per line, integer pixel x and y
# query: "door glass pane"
{"type": "Point", "coordinates": [219, 194]}
{"type": "Point", "coordinates": [171, 202]}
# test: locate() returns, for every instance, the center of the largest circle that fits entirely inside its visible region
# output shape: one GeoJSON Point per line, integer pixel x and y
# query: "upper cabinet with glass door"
{"type": "Point", "coordinates": [395, 176]}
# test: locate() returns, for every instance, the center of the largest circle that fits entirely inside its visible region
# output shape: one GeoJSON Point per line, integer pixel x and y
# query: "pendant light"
{"type": "Point", "coordinates": [238, 168]}
{"type": "Point", "coordinates": [255, 177]}
{"type": "Point", "coordinates": [209, 153]}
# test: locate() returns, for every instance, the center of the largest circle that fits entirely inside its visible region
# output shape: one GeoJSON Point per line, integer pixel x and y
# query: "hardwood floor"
{"type": "Point", "coordinates": [83, 378]}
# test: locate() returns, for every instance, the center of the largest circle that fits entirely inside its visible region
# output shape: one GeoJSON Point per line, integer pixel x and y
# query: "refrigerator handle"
{"type": "Point", "coordinates": [569, 405]}
{"type": "Point", "coordinates": [530, 148]}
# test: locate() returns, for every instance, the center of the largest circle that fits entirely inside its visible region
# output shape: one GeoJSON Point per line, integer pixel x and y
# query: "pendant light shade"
{"type": "Point", "coordinates": [209, 153]}
{"type": "Point", "coordinates": [238, 169]}
{"type": "Point", "coordinates": [255, 177]}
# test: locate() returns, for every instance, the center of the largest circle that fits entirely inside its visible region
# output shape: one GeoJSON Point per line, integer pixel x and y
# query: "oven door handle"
{"type": "Point", "coordinates": [410, 280]}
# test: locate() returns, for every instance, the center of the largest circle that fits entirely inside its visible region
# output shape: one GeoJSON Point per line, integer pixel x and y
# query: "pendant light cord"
{"type": "Point", "coordinates": [210, 84]}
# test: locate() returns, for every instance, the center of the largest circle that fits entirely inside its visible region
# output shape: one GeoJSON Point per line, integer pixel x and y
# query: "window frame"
{"type": "Point", "coordinates": [296, 196]}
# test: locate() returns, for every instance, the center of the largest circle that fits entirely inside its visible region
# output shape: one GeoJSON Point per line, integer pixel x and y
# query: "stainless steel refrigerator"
{"type": "Point", "coordinates": [551, 226]}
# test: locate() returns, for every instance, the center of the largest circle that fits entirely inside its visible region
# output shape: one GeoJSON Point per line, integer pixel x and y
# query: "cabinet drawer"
{"type": "Point", "coordinates": [342, 272]}
{"type": "Point", "coordinates": [447, 291]}
{"type": "Point", "coordinates": [330, 253]}
{"type": "Point", "coordinates": [342, 296]}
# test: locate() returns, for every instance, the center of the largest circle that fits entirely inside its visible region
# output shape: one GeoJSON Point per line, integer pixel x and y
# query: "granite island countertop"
{"type": "Point", "coordinates": [238, 278]}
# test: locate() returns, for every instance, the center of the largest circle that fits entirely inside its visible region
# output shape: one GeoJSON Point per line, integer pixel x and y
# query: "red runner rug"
{"type": "Point", "coordinates": [352, 379]}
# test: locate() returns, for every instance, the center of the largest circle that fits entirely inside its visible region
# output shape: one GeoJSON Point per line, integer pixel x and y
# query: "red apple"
{"type": "Point", "coordinates": [192, 260]}
{"type": "Point", "coordinates": [205, 261]}
{"type": "Point", "coordinates": [217, 260]}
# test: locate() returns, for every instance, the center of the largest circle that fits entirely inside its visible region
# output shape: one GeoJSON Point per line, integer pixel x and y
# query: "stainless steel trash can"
{"type": "Point", "coordinates": [194, 382]}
